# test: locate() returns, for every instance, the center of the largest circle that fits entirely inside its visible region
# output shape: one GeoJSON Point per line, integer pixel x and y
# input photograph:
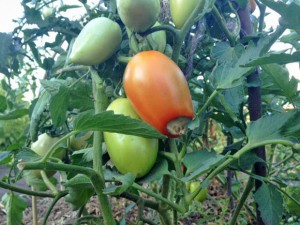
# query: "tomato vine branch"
{"type": "Point", "coordinates": [26, 192]}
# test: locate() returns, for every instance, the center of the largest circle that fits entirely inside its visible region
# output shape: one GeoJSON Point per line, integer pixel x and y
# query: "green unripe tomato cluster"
{"type": "Point", "coordinates": [129, 153]}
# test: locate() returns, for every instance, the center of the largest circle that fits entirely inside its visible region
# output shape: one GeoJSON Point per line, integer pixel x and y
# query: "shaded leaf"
{"type": "Point", "coordinates": [159, 169]}
{"type": "Point", "coordinates": [287, 86]}
{"type": "Point", "coordinates": [270, 204]}
{"type": "Point", "coordinates": [199, 162]}
{"type": "Point", "coordinates": [229, 72]}
{"type": "Point", "coordinates": [270, 128]}
{"type": "Point", "coordinates": [36, 113]}
{"type": "Point", "coordinates": [59, 105]}
{"type": "Point", "coordinates": [280, 58]}
{"type": "Point", "coordinates": [116, 189]}
{"type": "Point", "coordinates": [5, 42]}
{"type": "Point", "coordinates": [80, 190]}
{"type": "Point", "coordinates": [289, 12]}
{"type": "Point", "coordinates": [18, 113]}
{"type": "Point", "coordinates": [15, 206]}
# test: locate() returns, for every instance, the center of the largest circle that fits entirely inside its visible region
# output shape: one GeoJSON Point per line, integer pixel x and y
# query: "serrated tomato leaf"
{"type": "Point", "coordinates": [199, 162]}
{"type": "Point", "coordinates": [276, 57]}
{"type": "Point", "coordinates": [271, 127]}
{"type": "Point", "coordinates": [109, 122]}
{"type": "Point", "coordinates": [15, 207]}
{"type": "Point", "coordinates": [124, 182]}
{"type": "Point", "coordinates": [80, 190]}
{"type": "Point", "coordinates": [270, 204]}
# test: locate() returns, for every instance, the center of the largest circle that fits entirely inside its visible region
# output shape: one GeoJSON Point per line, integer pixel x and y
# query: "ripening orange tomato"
{"type": "Point", "coordinates": [159, 93]}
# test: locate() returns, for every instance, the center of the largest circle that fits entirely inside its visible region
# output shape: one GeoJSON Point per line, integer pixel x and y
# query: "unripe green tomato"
{"type": "Point", "coordinates": [41, 147]}
{"type": "Point", "coordinates": [201, 196]}
{"type": "Point", "coordinates": [138, 15]}
{"type": "Point", "coordinates": [129, 153]}
{"type": "Point", "coordinates": [97, 41]}
{"type": "Point", "coordinates": [182, 9]}
{"type": "Point", "coordinates": [80, 142]}
{"type": "Point", "coordinates": [154, 41]}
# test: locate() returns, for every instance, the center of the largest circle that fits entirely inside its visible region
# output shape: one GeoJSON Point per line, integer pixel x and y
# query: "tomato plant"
{"type": "Point", "coordinates": [97, 41]}
{"type": "Point", "coordinates": [138, 16]}
{"type": "Point", "coordinates": [147, 75]}
{"type": "Point", "coordinates": [153, 89]}
{"type": "Point", "coordinates": [129, 153]}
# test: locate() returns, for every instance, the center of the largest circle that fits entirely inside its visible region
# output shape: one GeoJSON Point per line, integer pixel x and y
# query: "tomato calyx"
{"type": "Point", "coordinates": [178, 126]}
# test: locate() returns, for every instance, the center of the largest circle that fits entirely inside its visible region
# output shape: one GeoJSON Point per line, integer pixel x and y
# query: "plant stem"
{"type": "Point", "coordinates": [26, 192]}
{"type": "Point", "coordinates": [48, 182]}
{"type": "Point", "coordinates": [241, 202]}
{"type": "Point", "coordinates": [222, 24]}
{"type": "Point", "coordinates": [98, 180]}
{"type": "Point", "coordinates": [34, 209]}
{"type": "Point", "coordinates": [211, 97]}
{"type": "Point", "coordinates": [163, 207]}
{"type": "Point", "coordinates": [55, 200]}
{"type": "Point", "coordinates": [159, 197]}
{"type": "Point", "coordinates": [135, 198]}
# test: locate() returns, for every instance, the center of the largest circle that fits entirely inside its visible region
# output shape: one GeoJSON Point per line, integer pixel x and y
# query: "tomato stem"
{"type": "Point", "coordinates": [48, 182]}
{"type": "Point", "coordinates": [98, 180]}
{"type": "Point", "coordinates": [24, 191]}
{"type": "Point", "coordinates": [211, 97]}
{"type": "Point", "coordinates": [222, 23]}
{"type": "Point", "coordinates": [242, 200]}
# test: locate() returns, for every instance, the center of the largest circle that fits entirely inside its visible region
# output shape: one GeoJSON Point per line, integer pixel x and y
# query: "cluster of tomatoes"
{"type": "Point", "coordinates": [156, 89]}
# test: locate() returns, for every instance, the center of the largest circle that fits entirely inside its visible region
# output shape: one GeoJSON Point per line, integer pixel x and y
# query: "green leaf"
{"type": "Point", "coordinates": [286, 86]}
{"type": "Point", "coordinates": [270, 204]}
{"type": "Point", "coordinates": [229, 72]}
{"type": "Point", "coordinates": [109, 122]}
{"type": "Point", "coordinates": [80, 190]}
{"type": "Point", "coordinates": [159, 169]}
{"type": "Point", "coordinates": [5, 42]}
{"type": "Point", "coordinates": [15, 206]}
{"type": "Point", "coordinates": [271, 58]}
{"type": "Point", "coordinates": [289, 12]}
{"type": "Point", "coordinates": [18, 113]}
{"type": "Point", "coordinates": [246, 161]}
{"type": "Point", "coordinates": [81, 97]}
{"type": "Point", "coordinates": [126, 181]}
{"type": "Point", "coordinates": [270, 128]}
{"type": "Point", "coordinates": [3, 104]}
{"type": "Point", "coordinates": [37, 111]}
{"type": "Point", "coordinates": [59, 105]}
{"type": "Point", "coordinates": [234, 97]}
{"type": "Point", "coordinates": [199, 162]}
